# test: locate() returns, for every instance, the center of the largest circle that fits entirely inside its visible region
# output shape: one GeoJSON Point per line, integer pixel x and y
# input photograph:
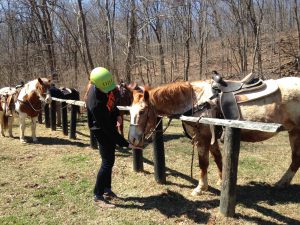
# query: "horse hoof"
{"type": "Point", "coordinates": [34, 140]}
{"type": "Point", "coordinates": [196, 193]}
{"type": "Point", "coordinates": [23, 141]}
{"type": "Point", "coordinates": [199, 191]}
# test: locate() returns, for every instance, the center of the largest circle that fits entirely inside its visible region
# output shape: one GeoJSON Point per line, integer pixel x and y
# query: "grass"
{"type": "Point", "coordinates": [51, 183]}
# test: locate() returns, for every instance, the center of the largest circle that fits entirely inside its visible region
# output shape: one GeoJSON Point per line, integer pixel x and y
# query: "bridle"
{"type": "Point", "coordinates": [152, 130]}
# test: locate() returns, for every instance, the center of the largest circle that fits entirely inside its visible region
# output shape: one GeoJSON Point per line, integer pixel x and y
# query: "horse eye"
{"type": "Point", "coordinates": [141, 113]}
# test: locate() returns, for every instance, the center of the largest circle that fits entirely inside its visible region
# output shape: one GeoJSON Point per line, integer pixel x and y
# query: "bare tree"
{"type": "Point", "coordinates": [131, 42]}
{"type": "Point", "coordinates": [110, 36]}
{"type": "Point", "coordinates": [256, 26]}
{"type": "Point", "coordinates": [84, 32]}
{"type": "Point", "coordinates": [298, 29]}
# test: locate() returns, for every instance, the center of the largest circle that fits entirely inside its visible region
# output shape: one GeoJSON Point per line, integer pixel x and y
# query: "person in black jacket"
{"type": "Point", "coordinates": [103, 116]}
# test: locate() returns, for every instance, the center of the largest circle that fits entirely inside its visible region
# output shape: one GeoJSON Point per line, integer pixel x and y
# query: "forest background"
{"type": "Point", "coordinates": [151, 42]}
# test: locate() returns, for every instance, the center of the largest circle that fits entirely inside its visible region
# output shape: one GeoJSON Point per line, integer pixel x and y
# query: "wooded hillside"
{"type": "Point", "coordinates": [146, 40]}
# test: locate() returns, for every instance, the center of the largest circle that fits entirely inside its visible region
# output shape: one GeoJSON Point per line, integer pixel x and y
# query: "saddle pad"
{"type": "Point", "coordinates": [229, 106]}
{"type": "Point", "coordinates": [7, 91]}
{"type": "Point", "coordinates": [269, 88]}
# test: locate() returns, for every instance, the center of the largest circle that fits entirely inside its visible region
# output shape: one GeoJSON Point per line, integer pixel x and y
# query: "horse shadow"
{"type": "Point", "coordinates": [170, 137]}
{"type": "Point", "coordinates": [59, 141]}
{"type": "Point", "coordinates": [172, 204]}
{"type": "Point", "coordinates": [253, 193]}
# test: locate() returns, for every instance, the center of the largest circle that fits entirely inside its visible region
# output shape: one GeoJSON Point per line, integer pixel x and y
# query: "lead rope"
{"type": "Point", "coordinates": [153, 130]}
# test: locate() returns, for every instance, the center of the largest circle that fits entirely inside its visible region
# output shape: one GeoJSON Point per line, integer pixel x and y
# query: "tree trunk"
{"type": "Point", "coordinates": [85, 37]}
{"type": "Point", "coordinates": [131, 43]}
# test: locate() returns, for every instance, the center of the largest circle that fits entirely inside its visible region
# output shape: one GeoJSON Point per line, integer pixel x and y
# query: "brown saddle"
{"type": "Point", "coordinates": [233, 92]}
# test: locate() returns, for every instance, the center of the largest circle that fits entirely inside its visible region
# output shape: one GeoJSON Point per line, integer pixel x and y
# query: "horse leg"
{"type": "Point", "coordinates": [203, 155]}
{"type": "Point", "coordinates": [2, 124]}
{"type": "Point", "coordinates": [22, 117]}
{"type": "Point", "coordinates": [286, 179]}
{"type": "Point", "coordinates": [216, 153]}
{"type": "Point", "coordinates": [33, 129]}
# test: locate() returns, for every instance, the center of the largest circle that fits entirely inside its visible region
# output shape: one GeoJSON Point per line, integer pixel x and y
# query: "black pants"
{"type": "Point", "coordinates": [107, 153]}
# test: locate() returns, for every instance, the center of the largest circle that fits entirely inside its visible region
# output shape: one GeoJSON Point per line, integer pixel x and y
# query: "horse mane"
{"type": "Point", "coordinates": [171, 91]}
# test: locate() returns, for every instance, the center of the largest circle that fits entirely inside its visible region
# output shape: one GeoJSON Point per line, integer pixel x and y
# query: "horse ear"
{"type": "Point", "coordinates": [147, 87]}
{"type": "Point", "coordinates": [40, 81]}
{"type": "Point", "coordinates": [146, 96]}
{"type": "Point", "coordinates": [132, 85]}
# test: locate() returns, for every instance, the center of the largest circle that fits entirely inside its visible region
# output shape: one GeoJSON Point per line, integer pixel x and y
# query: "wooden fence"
{"type": "Point", "coordinates": [230, 156]}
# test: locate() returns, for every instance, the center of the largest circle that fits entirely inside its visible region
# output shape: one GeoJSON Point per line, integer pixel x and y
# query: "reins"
{"type": "Point", "coordinates": [29, 103]}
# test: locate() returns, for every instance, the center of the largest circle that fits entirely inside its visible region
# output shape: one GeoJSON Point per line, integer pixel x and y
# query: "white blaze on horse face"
{"type": "Point", "coordinates": [135, 134]}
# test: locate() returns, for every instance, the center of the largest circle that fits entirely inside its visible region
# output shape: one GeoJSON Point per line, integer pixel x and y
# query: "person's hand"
{"type": "Point", "coordinates": [134, 147]}
{"type": "Point", "coordinates": [119, 121]}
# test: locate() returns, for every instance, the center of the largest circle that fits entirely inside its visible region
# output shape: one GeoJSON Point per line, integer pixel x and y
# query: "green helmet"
{"type": "Point", "coordinates": [102, 79]}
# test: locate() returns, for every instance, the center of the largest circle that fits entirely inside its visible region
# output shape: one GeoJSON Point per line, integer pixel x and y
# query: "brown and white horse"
{"type": "Point", "coordinates": [282, 107]}
{"type": "Point", "coordinates": [29, 103]}
{"type": "Point", "coordinates": [7, 109]}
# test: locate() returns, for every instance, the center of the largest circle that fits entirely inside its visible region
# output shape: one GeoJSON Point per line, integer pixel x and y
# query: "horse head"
{"type": "Point", "coordinates": [42, 89]}
{"type": "Point", "coordinates": [143, 118]}
{"type": "Point", "coordinates": [125, 92]}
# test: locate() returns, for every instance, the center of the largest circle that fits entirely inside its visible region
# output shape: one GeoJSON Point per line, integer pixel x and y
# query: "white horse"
{"type": "Point", "coordinates": [29, 103]}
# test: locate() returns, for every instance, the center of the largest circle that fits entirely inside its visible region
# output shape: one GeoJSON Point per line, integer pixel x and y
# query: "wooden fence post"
{"type": "Point", "coordinates": [138, 160]}
{"type": "Point", "coordinates": [159, 153]}
{"type": "Point", "coordinates": [58, 114]}
{"type": "Point", "coordinates": [230, 168]}
{"type": "Point", "coordinates": [73, 121]}
{"type": "Point", "coordinates": [64, 118]}
{"type": "Point", "coordinates": [47, 119]}
{"type": "Point", "coordinates": [53, 115]}
{"type": "Point", "coordinates": [40, 117]}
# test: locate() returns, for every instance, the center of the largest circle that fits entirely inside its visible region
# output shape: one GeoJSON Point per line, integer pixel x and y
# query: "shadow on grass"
{"type": "Point", "coordinates": [59, 141]}
{"type": "Point", "coordinates": [170, 137]}
{"type": "Point", "coordinates": [172, 204]}
{"type": "Point", "coordinates": [252, 194]}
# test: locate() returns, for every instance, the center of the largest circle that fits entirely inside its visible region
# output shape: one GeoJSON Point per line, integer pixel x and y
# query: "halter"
{"type": "Point", "coordinates": [151, 131]}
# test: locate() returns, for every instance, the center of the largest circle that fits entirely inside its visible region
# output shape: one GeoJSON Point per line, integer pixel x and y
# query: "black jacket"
{"type": "Point", "coordinates": [100, 118]}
